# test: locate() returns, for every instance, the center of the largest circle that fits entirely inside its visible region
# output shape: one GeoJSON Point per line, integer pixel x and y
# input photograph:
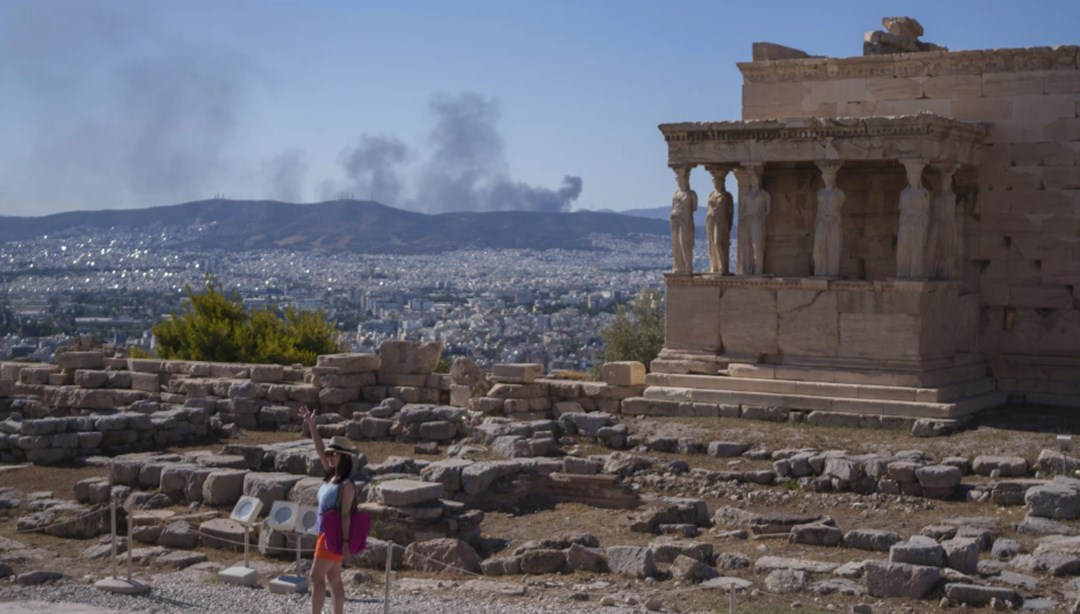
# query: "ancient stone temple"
{"type": "Point", "coordinates": [908, 235]}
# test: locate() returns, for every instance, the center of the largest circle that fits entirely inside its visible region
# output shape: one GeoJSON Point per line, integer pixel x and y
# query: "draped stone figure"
{"type": "Point", "coordinates": [718, 222]}
{"type": "Point", "coordinates": [942, 243]}
{"type": "Point", "coordinates": [828, 229]}
{"type": "Point", "coordinates": [914, 222]}
{"type": "Point", "coordinates": [756, 205]}
{"type": "Point", "coordinates": [683, 206]}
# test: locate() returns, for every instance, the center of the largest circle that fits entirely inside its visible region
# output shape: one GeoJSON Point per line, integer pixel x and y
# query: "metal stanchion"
{"type": "Point", "coordinates": [113, 584]}
{"type": "Point", "coordinates": [386, 590]}
{"type": "Point", "coordinates": [112, 510]}
{"type": "Point", "coordinates": [731, 599]}
{"type": "Point", "coordinates": [130, 541]}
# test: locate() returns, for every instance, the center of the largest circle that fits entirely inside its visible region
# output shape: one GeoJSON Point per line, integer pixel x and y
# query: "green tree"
{"type": "Point", "coordinates": [637, 333]}
{"type": "Point", "coordinates": [218, 328]}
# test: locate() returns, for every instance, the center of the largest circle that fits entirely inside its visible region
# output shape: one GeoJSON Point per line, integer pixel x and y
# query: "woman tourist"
{"type": "Point", "coordinates": [337, 493]}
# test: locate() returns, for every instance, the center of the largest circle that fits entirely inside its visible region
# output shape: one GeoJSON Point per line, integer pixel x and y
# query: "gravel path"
{"type": "Point", "coordinates": [182, 595]}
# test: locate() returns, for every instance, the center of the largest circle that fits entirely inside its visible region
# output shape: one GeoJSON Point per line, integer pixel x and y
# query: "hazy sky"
{"type": "Point", "coordinates": [430, 105]}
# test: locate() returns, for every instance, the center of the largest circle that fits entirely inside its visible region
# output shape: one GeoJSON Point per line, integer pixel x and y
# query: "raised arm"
{"type": "Point", "coordinates": [308, 416]}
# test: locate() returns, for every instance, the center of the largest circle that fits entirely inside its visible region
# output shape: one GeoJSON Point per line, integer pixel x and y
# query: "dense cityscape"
{"type": "Point", "coordinates": [544, 306]}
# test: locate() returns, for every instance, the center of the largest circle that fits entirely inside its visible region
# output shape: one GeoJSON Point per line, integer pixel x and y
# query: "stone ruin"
{"type": "Point", "coordinates": [906, 237]}
{"type": "Point", "coordinates": [890, 274]}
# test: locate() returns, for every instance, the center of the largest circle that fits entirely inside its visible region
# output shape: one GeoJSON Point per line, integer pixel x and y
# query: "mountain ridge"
{"type": "Point", "coordinates": [347, 225]}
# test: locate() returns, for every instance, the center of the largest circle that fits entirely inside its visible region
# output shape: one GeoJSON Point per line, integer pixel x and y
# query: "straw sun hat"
{"type": "Point", "coordinates": [340, 445]}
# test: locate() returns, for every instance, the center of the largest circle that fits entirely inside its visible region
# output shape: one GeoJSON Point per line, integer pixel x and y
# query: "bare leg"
{"type": "Point", "coordinates": [337, 589]}
{"type": "Point", "coordinates": [319, 569]}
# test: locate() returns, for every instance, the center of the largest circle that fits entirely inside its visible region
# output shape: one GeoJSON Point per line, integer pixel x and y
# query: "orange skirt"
{"type": "Point", "coordinates": [322, 553]}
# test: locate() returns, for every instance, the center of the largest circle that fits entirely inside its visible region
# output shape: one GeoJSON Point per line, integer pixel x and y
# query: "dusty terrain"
{"type": "Point", "coordinates": [1014, 431]}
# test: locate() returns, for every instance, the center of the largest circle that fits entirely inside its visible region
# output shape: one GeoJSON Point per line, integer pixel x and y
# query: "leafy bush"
{"type": "Point", "coordinates": [637, 333]}
{"type": "Point", "coordinates": [217, 328]}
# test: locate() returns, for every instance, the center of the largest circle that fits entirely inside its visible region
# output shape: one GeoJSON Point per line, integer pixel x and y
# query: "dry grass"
{"type": "Point", "coordinates": [1015, 431]}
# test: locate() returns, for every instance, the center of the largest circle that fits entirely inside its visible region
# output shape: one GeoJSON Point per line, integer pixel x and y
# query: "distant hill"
{"type": "Point", "coordinates": [347, 225]}
{"type": "Point", "coordinates": [664, 213]}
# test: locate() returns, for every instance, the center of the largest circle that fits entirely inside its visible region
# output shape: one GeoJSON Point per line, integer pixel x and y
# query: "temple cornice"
{"type": "Point", "coordinates": [926, 136]}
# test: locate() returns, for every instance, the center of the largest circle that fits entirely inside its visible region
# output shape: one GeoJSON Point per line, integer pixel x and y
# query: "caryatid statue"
{"type": "Point", "coordinates": [718, 222]}
{"type": "Point", "coordinates": [756, 205]}
{"type": "Point", "coordinates": [914, 223]}
{"type": "Point", "coordinates": [942, 243]}
{"type": "Point", "coordinates": [683, 206]}
{"type": "Point", "coordinates": [828, 229]}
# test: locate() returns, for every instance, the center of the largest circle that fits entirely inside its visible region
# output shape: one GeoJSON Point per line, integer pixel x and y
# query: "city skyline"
{"type": "Point", "coordinates": [421, 106]}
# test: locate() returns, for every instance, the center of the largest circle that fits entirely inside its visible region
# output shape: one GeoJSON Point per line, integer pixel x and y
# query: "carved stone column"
{"type": "Point", "coordinates": [754, 207]}
{"type": "Point", "coordinates": [828, 222]}
{"type": "Point", "coordinates": [683, 205]}
{"type": "Point", "coordinates": [942, 244]}
{"type": "Point", "coordinates": [914, 222]}
{"type": "Point", "coordinates": [718, 220]}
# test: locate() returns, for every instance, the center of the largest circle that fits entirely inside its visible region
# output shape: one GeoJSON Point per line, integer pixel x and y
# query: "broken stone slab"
{"type": "Point", "coordinates": [222, 533]}
{"type": "Point", "coordinates": [770, 563]}
{"type": "Point", "coordinates": [517, 373]}
{"type": "Point", "coordinates": [786, 580]}
{"type": "Point", "coordinates": [889, 579]}
{"type": "Point", "coordinates": [666, 550]}
{"type": "Point", "coordinates": [689, 569]}
{"type": "Point", "coordinates": [269, 487]}
{"type": "Point", "coordinates": [876, 540]}
{"type": "Point", "coordinates": [542, 561]}
{"type": "Point", "coordinates": [442, 555]}
{"type": "Point", "coordinates": [401, 493]}
{"type": "Point", "coordinates": [506, 566]}
{"type": "Point", "coordinates": [409, 357]}
{"type": "Point", "coordinates": [978, 596]}
{"type": "Point", "coordinates": [40, 576]}
{"type": "Point", "coordinates": [178, 535]}
{"type": "Point", "coordinates": [725, 449]}
{"type": "Point", "coordinates": [918, 550]}
{"type": "Point", "coordinates": [348, 364]}
{"type": "Point", "coordinates": [1006, 466]}
{"type": "Point", "coordinates": [842, 586]}
{"type": "Point", "coordinates": [962, 554]}
{"type": "Point", "coordinates": [1053, 500]}
{"type": "Point", "coordinates": [180, 559]}
{"type": "Point", "coordinates": [586, 559]}
{"type": "Point", "coordinates": [633, 561]}
{"type": "Point", "coordinates": [223, 487]}
{"type": "Point", "coordinates": [624, 373]}
{"type": "Point", "coordinates": [816, 534]}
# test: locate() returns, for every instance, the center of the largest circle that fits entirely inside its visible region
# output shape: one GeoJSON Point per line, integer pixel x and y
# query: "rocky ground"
{"type": "Point", "coordinates": [746, 534]}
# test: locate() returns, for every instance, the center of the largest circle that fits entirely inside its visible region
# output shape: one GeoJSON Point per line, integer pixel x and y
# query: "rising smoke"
{"type": "Point", "coordinates": [119, 111]}
{"type": "Point", "coordinates": [466, 169]}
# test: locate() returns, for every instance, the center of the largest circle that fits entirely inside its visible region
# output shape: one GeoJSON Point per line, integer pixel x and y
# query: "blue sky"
{"type": "Point", "coordinates": [124, 103]}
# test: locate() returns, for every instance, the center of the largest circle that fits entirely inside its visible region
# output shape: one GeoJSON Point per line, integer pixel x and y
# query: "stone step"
{"type": "Point", "coordinates": [868, 377]}
{"type": "Point", "coordinates": [914, 409]}
{"type": "Point", "coordinates": [955, 392]}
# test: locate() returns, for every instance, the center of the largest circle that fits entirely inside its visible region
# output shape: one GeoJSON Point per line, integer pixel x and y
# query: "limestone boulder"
{"type": "Point", "coordinates": [223, 487]}
{"type": "Point", "coordinates": [888, 579]}
{"type": "Point", "coordinates": [408, 357]}
{"type": "Point", "coordinates": [268, 487]}
{"type": "Point", "coordinates": [633, 561]}
{"type": "Point", "coordinates": [443, 555]}
{"type": "Point", "coordinates": [688, 569]}
{"type": "Point", "coordinates": [586, 559]}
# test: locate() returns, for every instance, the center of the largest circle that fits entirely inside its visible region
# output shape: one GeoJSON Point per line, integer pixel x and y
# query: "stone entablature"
{"type": "Point", "coordinates": [924, 64]}
{"type": "Point", "coordinates": [925, 136]}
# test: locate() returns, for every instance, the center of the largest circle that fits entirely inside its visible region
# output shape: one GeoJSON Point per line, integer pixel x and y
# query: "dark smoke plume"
{"type": "Point", "coordinates": [468, 170]}
{"type": "Point", "coordinates": [372, 167]}
{"type": "Point", "coordinates": [285, 175]}
{"type": "Point", "coordinates": [122, 113]}
{"type": "Point", "coordinates": [465, 170]}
